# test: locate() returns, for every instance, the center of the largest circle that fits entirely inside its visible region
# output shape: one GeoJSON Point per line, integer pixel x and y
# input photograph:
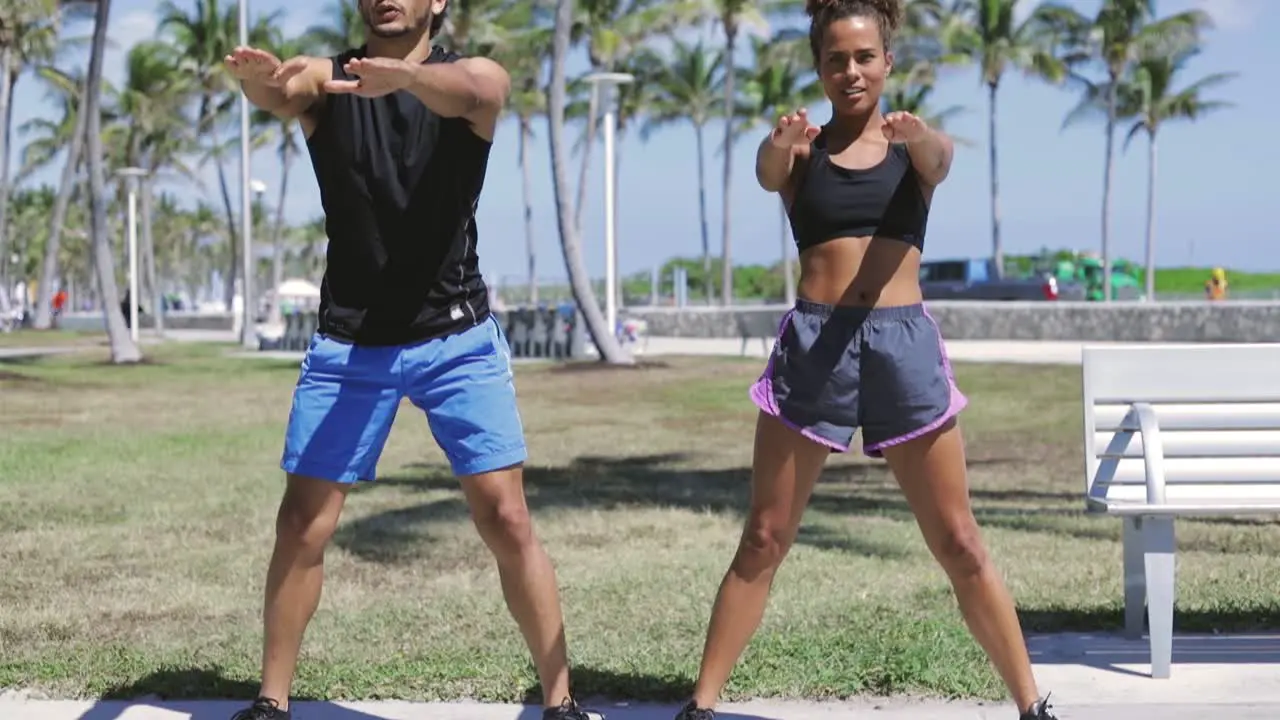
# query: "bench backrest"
{"type": "Point", "coordinates": [1218, 410]}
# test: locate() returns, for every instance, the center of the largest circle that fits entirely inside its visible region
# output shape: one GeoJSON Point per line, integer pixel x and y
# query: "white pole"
{"type": "Point", "coordinates": [133, 259]}
{"type": "Point", "coordinates": [248, 336]}
{"type": "Point", "coordinates": [610, 276]}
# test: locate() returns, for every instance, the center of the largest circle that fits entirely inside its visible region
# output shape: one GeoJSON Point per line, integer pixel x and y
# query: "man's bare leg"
{"type": "Point", "coordinates": [307, 518]}
{"type": "Point", "coordinates": [528, 578]}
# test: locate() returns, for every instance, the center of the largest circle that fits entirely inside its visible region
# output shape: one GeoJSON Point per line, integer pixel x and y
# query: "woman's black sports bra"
{"type": "Point", "coordinates": [885, 200]}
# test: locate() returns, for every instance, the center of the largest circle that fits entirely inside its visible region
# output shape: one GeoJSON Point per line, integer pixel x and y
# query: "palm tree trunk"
{"type": "Point", "coordinates": [708, 286]}
{"type": "Point", "coordinates": [123, 349]}
{"type": "Point", "coordinates": [66, 188]}
{"type": "Point", "coordinates": [277, 232]}
{"type": "Point", "coordinates": [788, 273]}
{"type": "Point", "coordinates": [1151, 217]}
{"type": "Point", "coordinates": [526, 194]}
{"type": "Point", "coordinates": [1106, 189]}
{"type": "Point", "coordinates": [593, 109]}
{"type": "Point", "coordinates": [6, 103]}
{"type": "Point", "coordinates": [233, 238]}
{"type": "Point", "coordinates": [149, 257]}
{"type": "Point", "coordinates": [579, 281]}
{"type": "Point", "coordinates": [726, 241]}
{"type": "Point", "coordinates": [997, 247]}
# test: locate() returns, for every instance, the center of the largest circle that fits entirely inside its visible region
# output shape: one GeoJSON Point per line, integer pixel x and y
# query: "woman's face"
{"type": "Point", "coordinates": [852, 64]}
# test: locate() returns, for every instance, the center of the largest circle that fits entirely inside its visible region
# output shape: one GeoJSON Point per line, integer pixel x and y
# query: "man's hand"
{"type": "Point", "coordinates": [794, 129]}
{"type": "Point", "coordinates": [903, 127]}
{"type": "Point", "coordinates": [251, 65]}
{"type": "Point", "coordinates": [377, 77]}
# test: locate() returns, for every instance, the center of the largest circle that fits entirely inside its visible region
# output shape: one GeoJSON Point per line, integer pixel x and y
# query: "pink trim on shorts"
{"type": "Point", "coordinates": [958, 403]}
{"type": "Point", "coordinates": [762, 395]}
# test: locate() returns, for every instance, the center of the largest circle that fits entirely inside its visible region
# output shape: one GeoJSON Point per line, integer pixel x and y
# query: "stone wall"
{"type": "Point", "coordinates": [1243, 321]}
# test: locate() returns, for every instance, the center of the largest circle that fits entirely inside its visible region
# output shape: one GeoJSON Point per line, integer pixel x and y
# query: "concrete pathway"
{"type": "Point", "coordinates": [887, 710]}
{"type": "Point", "coordinates": [21, 353]}
{"type": "Point", "coordinates": [1091, 677]}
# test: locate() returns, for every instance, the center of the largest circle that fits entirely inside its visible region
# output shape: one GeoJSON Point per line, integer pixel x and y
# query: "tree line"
{"type": "Point", "coordinates": [724, 68]}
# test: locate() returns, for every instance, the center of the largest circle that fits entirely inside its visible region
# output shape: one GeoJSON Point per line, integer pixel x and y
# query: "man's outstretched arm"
{"type": "Point", "coordinates": [474, 88]}
{"type": "Point", "coordinates": [285, 89]}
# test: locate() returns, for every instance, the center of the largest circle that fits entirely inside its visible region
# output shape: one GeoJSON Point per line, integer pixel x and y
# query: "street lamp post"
{"type": "Point", "coordinates": [606, 84]}
{"type": "Point", "coordinates": [132, 175]}
{"type": "Point", "coordinates": [248, 335]}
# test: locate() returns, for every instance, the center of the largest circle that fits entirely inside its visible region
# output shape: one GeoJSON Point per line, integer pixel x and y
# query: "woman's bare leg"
{"type": "Point", "coordinates": [784, 470]}
{"type": "Point", "coordinates": [931, 471]}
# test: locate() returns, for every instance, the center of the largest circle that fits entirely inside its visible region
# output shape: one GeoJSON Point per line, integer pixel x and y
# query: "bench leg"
{"type": "Point", "coordinates": [1135, 579]}
{"type": "Point", "coordinates": [1159, 546]}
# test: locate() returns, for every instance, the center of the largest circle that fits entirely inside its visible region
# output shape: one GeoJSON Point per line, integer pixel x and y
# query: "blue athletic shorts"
{"type": "Point", "coordinates": [347, 396]}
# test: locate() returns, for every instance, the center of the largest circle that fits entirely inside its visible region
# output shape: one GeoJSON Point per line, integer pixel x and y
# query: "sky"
{"type": "Point", "coordinates": [1212, 204]}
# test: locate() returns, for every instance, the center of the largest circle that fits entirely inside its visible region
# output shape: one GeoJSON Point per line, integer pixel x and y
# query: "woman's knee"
{"type": "Point", "coordinates": [765, 543]}
{"type": "Point", "coordinates": [959, 548]}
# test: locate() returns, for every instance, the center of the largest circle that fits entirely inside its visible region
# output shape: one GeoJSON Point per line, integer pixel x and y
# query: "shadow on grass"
{"type": "Point", "coordinates": [603, 483]}
{"type": "Point", "coordinates": [591, 684]}
{"type": "Point", "coordinates": [202, 694]}
{"type": "Point", "coordinates": [1110, 619]}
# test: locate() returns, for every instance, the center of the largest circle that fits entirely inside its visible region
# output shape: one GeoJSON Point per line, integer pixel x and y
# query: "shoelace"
{"type": "Point", "coordinates": [262, 709]}
{"type": "Point", "coordinates": [1042, 712]}
{"type": "Point", "coordinates": [569, 710]}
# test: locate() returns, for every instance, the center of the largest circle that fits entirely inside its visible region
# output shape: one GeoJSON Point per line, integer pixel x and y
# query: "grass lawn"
{"type": "Point", "coordinates": [138, 511]}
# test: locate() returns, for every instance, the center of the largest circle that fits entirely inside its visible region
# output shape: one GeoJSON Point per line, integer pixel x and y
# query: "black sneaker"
{"type": "Point", "coordinates": [263, 709]}
{"type": "Point", "coordinates": [1039, 711]}
{"type": "Point", "coordinates": [569, 710]}
{"type": "Point", "coordinates": [693, 712]}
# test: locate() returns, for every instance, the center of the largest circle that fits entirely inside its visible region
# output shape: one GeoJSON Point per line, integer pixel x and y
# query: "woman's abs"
{"type": "Point", "coordinates": [866, 271]}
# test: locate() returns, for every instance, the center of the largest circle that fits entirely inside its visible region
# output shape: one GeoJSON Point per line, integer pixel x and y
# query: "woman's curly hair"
{"type": "Point", "coordinates": [887, 13]}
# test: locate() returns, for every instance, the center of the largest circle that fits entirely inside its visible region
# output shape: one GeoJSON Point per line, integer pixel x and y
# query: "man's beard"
{"type": "Point", "coordinates": [391, 33]}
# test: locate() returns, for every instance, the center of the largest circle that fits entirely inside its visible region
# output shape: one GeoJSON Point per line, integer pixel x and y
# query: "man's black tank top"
{"type": "Point", "coordinates": [399, 185]}
{"type": "Point", "coordinates": [884, 200]}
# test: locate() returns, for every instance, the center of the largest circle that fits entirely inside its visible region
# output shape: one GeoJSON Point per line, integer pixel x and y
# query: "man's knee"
{"type": "Point", "coordinates": [501, 514]}
{"type": "Point", "coordinates": [309, 513]}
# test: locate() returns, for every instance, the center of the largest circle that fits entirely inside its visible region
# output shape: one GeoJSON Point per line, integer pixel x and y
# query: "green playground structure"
{"type": "Point", "coordinates": [1086, 270]}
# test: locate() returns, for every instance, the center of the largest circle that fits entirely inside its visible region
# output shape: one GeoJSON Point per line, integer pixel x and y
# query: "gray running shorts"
{"type": "Point", "coordinates": [835, 369]}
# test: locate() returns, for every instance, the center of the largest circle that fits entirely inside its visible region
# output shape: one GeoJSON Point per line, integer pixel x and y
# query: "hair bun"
{"type": "Point", "coordinates": [890, 12]}
{"type": "Point", "coordinates": [813, 7]}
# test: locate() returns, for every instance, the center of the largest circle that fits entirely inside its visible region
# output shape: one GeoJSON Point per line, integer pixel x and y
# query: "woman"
{"type": "Point", "coordinates": [859, 350]}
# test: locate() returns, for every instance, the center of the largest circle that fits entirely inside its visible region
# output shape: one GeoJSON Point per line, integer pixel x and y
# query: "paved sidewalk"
{"type": "Point", "coordinates": [892, 710]}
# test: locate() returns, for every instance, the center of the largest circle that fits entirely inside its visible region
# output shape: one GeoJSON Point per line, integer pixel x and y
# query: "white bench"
{"type": "Point", "coordinates": [1177, 430]}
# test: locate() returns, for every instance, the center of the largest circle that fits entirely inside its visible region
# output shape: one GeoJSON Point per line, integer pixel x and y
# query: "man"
{"type": "Point", "coordinates": [399, 133]}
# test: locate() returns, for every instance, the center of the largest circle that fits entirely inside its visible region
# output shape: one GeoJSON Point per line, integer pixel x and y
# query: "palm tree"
{"type": "Point", "coordinates": [1120, 34]}
{"type": "Point", "coordinates": [689, 90]}
{"type": "Point", "coordinates": [1147, 96]}
{"type": "Point", "coordinates": [288, 150]}
{"type": "Point", "coordinates": [781, 79]}
{"type": "Point", "coordinates": [70, 132]}
{"type": "Point", "coordinates": [203, 36]}
{"type": "Point", "coordinates": [580, 282]}
{"type": "Point", "coordinates": [734, 16]}
{"type": "Point", "coordinates": [615, 29]}
{"type": "Point", "coordinates": [28, 29]}
{"type": "Point", "coordinates": [999, 42]}
{"type": "Point", "coordinates": [123, 349]}
{"type": "Point", "coordinates": [525, 63]}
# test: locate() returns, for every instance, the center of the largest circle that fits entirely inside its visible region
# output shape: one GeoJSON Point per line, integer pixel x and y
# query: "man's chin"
{"type": "Point", "coordinates": [389, 30]}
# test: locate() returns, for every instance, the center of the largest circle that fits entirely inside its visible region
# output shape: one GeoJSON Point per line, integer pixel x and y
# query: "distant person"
{"type": "Point", "coordinates": [859, 350]}
{"type": "Point", "coordinates": [58, 305]}
{"type": "Point", "coordinates": [1216, 286]}
{"type": "Point", "coordinates": [399, 132]}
